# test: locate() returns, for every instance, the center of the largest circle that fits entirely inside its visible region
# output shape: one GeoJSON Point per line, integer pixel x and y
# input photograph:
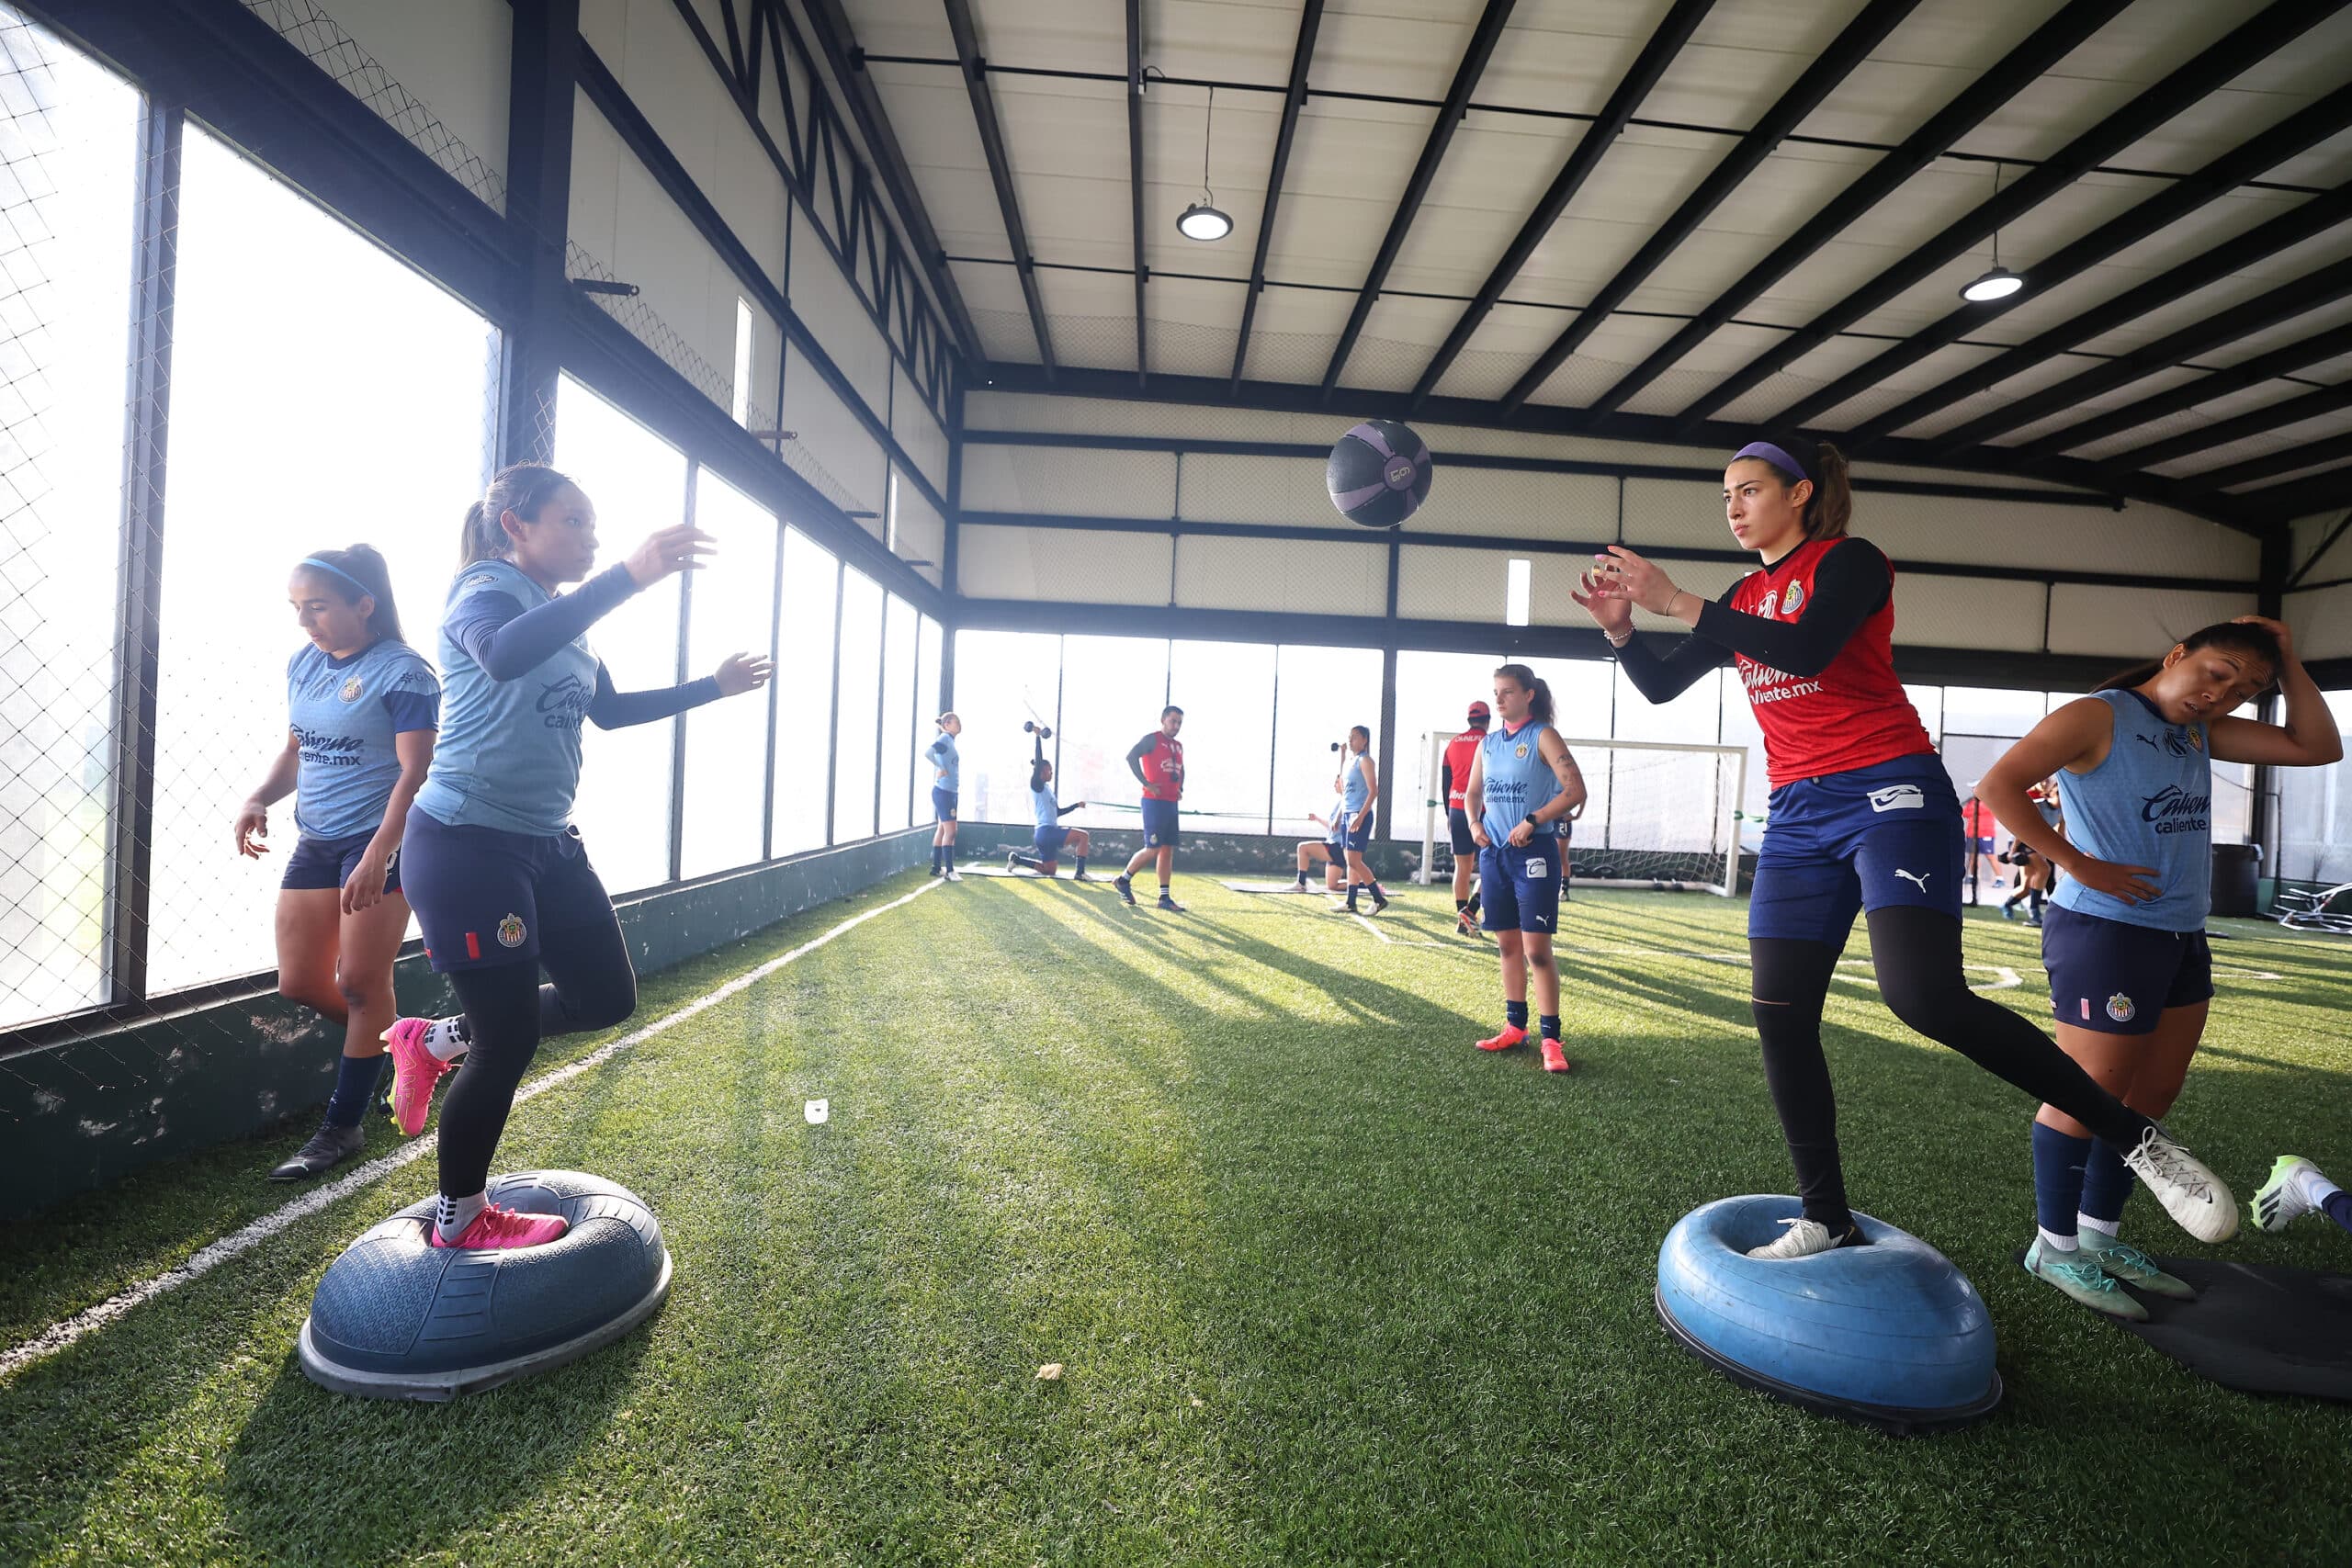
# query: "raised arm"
{"type": "Point", "coordinates": [2307, 739]}
{"type": "Point", "coordinates": [614, 709]}
{"type": "Point", "coordinates": [509, 641]}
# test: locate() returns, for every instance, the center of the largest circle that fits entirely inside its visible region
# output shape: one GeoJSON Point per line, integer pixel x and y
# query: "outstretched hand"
{"type": "Point", "coordinates": [1611, 614]}
{"type": "Point", "coordinates": [1624, 574]}
{"type": "Point", "coordinates": [740, 672]}
{"type": "Point", "coordinates": [673, 549]}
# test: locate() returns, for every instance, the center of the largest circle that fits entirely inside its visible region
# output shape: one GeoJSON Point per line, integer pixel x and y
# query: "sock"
{"type": "Point", "coordinates": [2090, 1228]}
{"type": "Point", "coordinates": [355, 1089]}
{"type": "Point", "coordinates": [2058, 1163]}
{"type": "Point", "coordinates": [948, 856]}
{"type": "Point", "coordinates": [2057, 1242]}
{"type": "Point", "coordinates": [934, 860]}
{"type": "Point", "coordinates": [1473, 905]}
{"type": "Point", "coordinates": [1302, 876]}
{"type": "Point", "coordinates": [1020, 859]}
{"type": "Point", "coordinates": [2106, 1184]}
{"type": "Point", "coordinates": [457, 1213]}
{"type": "Point", "coordinates": [1081, 865]}
{"type": "Point", "coordinates": [2337, 1206]}
{"type": "Point", "coordinates": [1462, 905]}
{"type": "Point", "coordinates": [1353, 887]}
{"type": "Point", "coordinates": [1515, 1014]}
{"type": "Point", "coordinates": [2033, 902]}
{"type": "Point", "coordinates": [448, 1038]}
{"type": "Point", "coordinates": [2313, 1188]}
{"type": "Point", "coordinates": [1549, 1025]}
{"type": "Point", "coordinates": [1163, 891]}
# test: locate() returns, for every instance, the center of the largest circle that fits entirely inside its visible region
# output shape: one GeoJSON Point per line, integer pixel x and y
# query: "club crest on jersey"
{"type": "Point", "coordinates": [1793, 600]}
{"type": "Point", "coordinates": [2119, 1007]}
{"type": "Point", "coordinates": [351, 689]}
{"type": "Point", "coordinates": [510, 931]}
{"type": "Point", "coordinates": [1520, 750]}
{"type": "Point", "coordinates": [2197, 741]}
{"type": "Point", "coordinates": [1897, 798]}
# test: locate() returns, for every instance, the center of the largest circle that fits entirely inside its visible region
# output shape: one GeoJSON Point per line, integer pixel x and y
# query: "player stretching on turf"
{"type": "Point", "coordinates": [1863, 816]}
{"type": "Point", "coordinates": [1327, 851]}
{"type": "Point", "coordinates": [1453, 780]}
{"type": "Point", "coordinates": [363, 706]}
{"type": "Point", "coordinates": [1522, 786]}
{"type": "Point", "coordinates": [501, 881]}
{"type": "Point", "coordinates": [1358, 794]}
{"type": "Point", "coordinates": [2131, 977]}
{"type": "Point", "coordinates": [1051, 836]}
{"type": "Point", "coordinates": [946, 777]}
{"type": "Point", "coordinates": [1158, 762]}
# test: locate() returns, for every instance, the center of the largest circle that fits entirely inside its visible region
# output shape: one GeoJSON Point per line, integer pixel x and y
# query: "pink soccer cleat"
{"type": "Point", "coordinates": [495, 1227]}
{"type": "Point", "coordinates": [416, 1073]}
{"type": "Point", "coordinates": [1512, 1034]}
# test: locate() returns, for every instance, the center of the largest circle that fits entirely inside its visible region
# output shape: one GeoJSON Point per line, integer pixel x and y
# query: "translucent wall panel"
{"type": "Point", "coordinates": [1003, 680]}
{"type": "Point", "coordinates": [1113, 690]}
{"type": "Point", "coordinates": [1434, 692]}
{"type": "Point", "coordinates": [897, 713]}
{"type": "Point", "coordinates": [267, 468]}
{"type": "Point", "coordinates": [926, 714]}
{"type": "Point", "coordinates": [804, 673]}
{"type": "Point", "coordinates": [1226, 689]}
{"type": "Point", "coordinates": [731, 609]}
{"type": "Point", "coordinates": [1321, 692]}
{"type": "Point", "coordinates": [854, 760]}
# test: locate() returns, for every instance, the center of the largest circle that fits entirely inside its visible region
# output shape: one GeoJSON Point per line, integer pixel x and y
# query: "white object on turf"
{"type": "Point", "coordinates": [818, 1112]}
{"type": "Point", "coordinates": [1804, 1238]}
{"type": "Point", "coordinates": [2196, 1199]}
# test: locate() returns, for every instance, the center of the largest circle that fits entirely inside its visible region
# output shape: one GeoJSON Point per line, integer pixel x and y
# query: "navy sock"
{"type": "Point", "coordinates": [2058, 1162]}
{"type": "Point", "coordinates": [1515, 1014]}
{"type": "Point", "coordinates": [2338, 1207]}
{"type": "Point", "coordinates": [1549, 1025]}
{"type": "Point", "coordinates": [948, 856]}
{"type": "Point", "coordinates": [1302, 879]}
{"type": "Point", "coordinates": [1473, 905]}
{"type": "Point", "coordinates": [934, 860]}
{"type": "Point", "coordinates": [355, 1089]}
{"type": "Point", "coordinates": [2107, 1182]}
{"type": "Point", "coordinates": [1081, 865]}
{"type": "Point", "coordinates": [2033, 902]}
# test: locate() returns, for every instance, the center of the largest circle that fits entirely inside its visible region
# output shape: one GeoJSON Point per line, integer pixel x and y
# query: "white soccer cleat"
{"type": "Point", "coordinates": [2196, 1197]}
{"type": "Point", "coordinates": [1804, 1238]}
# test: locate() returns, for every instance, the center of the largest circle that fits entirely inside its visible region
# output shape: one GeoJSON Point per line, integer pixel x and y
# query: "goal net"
{"type": "Point", "coordinates": [1656, 814]}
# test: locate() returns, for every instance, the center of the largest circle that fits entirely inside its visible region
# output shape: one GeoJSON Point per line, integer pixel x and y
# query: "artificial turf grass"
{"type": "Point", "coordinates": [1243, 1156]}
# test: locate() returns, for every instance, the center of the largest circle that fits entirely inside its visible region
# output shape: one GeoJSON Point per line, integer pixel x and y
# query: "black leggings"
{"type": "Point", "coordinates": [508, 1012]}
{"type": "Point", "coordinates": [1917, 953]}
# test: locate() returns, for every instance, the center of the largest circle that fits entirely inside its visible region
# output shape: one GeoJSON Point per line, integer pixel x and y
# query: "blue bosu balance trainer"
{"type": "Point", "coordinates": [1889, 1334]}
{"type": "Point", "coordinates": [397, 1318]}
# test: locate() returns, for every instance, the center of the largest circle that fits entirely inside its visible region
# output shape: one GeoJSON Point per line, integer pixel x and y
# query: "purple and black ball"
{"type": "Point", "coordinates": [1379, 473]}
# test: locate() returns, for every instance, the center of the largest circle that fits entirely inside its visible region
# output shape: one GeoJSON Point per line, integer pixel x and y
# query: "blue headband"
{"type": "Point", "coordinates": [330, 566]}
{"type": "Point", "coordinates": [1773, 456]}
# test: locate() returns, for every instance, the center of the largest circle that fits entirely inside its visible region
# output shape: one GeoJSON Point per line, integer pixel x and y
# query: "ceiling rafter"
{"type": "Point", "coordinates": [1135, 176]}
{"type": "Point", "coordinates": [2011, 74]}
{"type": "Point", "coordinates": [1821, 78]}
{"type": "Point", "coordinates": [1481, 48]}
{"type": "Point", "coordinates": [1008, 200]}
{"type": "Point", "coordinates": [2278, 505]}
{"type": "Point", "coordinates": [2334, 449]}
{"type": "Point", "coordinates": [2250, 43]}
{"type": "Point", "coordinates": [1310, 21]}
{"type": "Point", "coordinates": [2261, 421]}
{"type": "Point", "coordinates": [1663, 45]}
{"type": "Point", "coordinates": [2295, 134]}
{"type": "Point", "coordinates": [2213, 383]}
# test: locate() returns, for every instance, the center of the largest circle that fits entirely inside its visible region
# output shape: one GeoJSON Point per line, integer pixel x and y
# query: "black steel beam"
{"type": "Point", "coordinates": [1294, 97]}
{"type": "Point", "coordinates": [838, 43]}
{"type": "Point", "coordinates": [2017, 70]}
{"type": "Point", "coordinates": [2260, 313]}
{"type": "Point", "coordinates": [2252, 42]}
{"type": "Point", "coordinates": [543, 64]}
{"type": "Point", "coordinates": [2319, 554]}
{"type": "Point", "coordinates": [2327, 449]}
{"type": "Point", "coordinates": [2270, 416]}
{"type": "Point", "coordinates": [2231, 378]}
{"type": "Point", "coordinates": [1277, 396]}
{"type": "Point", "coordinates": [1135, 176]}
{"type": "Point", "coordinates": [1656, 56]}
{"type": "Point", "coordinates": [2280, 504]}
{"type": "Point", "coordinates": [1482, 39]}
{"type": "Point", "coordinates": [999, 161]}
{"type": "Point", "coordinates": [1850, 48]}
{"type": "Point", "coordinates": [2231, 169]}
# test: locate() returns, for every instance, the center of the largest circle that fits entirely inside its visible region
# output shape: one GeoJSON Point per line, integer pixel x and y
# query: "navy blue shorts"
{"type": "Point", "coordinates": [1349, 837]}
{"type": "Point", "coordinates": [2118, 978]}
{"type": "Point", "coordinates": [1457, 822]}
{"type": "Point", "coordinates": [484, 897]}
{"type": "Point", "coordinates": [1843, 842]}
{"type": "Point", "coordinates": [1049, 841]}
{"type": "Point", "coordinates": [327, 863]}
{"type": "Point", "coordinates": [942, 804]}
{"type": "Point", "coordinates": [1159, 825]}
{"type": "Point", "coordinates": [1522, 886]}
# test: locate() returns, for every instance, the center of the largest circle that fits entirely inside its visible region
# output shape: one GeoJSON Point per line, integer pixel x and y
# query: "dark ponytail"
{"type": "Point", "coordinates": [1830, 508]}
{"type": "Point", "coordinates": [1036, 775]}
{"type": "Point", "coordinates": [2234, 636]}
{"type": "Point", "coordinates": [357, 572]}
{"type": "Point", "coordinates": [1539, 704]}
{"type": "Point", "coordinates": [522, 488]}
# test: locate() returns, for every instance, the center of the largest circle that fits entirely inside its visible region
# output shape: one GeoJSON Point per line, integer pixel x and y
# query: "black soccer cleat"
{"type": "Point", "coordinates": [328, 1147]}
{"type": "Point", "coordinates": [1126, 888]}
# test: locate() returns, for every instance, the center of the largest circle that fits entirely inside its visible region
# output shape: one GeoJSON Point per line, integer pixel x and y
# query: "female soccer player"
{"type": "Point", "coordinates": [501, 881]}
{"type": "Point", "coordinates": [1327, 851]}
{"type": "Point", "coordinates": [1359, 794]}
{"type": "Point", "coordinates": [2131, 977]}
{"type": "Point", "coordinates": [2033, 867]}
{"type": "Point", "coordinates": [363, 707]}
{"type": "Point", "coordinates": [1158, 762]}
{"type": "Point", "coordinates": [946, 778]}
{"type": "Point", "coordinates": [1051, 836]}
{"type": "Point", "coordinates": [1524, 785]}
{"type": "Point", "coordinates": [1863, 816]}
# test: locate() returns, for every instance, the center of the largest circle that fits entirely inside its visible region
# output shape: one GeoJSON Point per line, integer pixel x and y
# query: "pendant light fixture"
{"type": "Point", "coordinates": [1205, 220]}
{"type": "Point", "coordinates": [1999, 282]}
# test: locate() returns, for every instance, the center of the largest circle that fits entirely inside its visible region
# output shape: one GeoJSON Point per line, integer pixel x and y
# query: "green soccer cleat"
{"type": "Point", "coordinates": [2080, 1280]}
{"type": "Point", "coordinates": [2281, 1201]}
{"type": "Point", "coordinates": [2121, 1260]}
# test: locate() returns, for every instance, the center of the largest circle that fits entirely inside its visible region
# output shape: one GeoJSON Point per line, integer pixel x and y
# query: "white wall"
{"type": "Point", "coordinates": [2322, 617]}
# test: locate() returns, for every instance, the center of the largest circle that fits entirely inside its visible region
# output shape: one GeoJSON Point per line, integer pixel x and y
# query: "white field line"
{"type": "Point", "coordinates": [205, 1260]}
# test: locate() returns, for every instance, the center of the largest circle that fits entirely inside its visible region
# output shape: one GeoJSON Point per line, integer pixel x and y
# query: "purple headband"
{"type": "Point", "coordinates": [330, 566]}
{"type": "Point", "coordinates": [1773, 456]}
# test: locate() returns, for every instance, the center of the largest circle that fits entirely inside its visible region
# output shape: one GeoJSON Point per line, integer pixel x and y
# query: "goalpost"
{"type": "Point", "coordinates": [1657, 815]}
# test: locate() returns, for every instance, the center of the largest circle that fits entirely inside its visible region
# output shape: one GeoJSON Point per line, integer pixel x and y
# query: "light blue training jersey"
{"type": "Point", "coordinates": [1043, 806]}
{"type": "Point", "coordinates": [344, 713]}
{"type": "Point", "coordinates": [1354, 791]}
{"type": "Point", "coordinates": [2150, 803]}
{"type": "Point", "coordinates": [1516, 780]}
{"type": "Point", "coordinates": [509, 754]}
{"type": "Point", "coordinates": [942, 752]}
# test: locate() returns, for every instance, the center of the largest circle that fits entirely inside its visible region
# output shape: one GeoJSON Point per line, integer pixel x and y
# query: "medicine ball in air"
{"type": "Point", "coordinates": [1379, 473]}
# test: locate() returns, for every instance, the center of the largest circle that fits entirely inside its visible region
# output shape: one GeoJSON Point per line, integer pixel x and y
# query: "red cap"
{"type": "Point", "coordinates": [1480, 710]}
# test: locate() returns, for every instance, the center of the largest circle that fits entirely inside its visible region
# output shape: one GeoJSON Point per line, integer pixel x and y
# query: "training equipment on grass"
{"type": "Point", "coordinates": [1890, 1333]}
{"type": "Point", "coordinates": [1379, 473]}
{"type": "Point", "coordinates": [397, 1318]}
{"type": "Point", "coordinates": [1658, 816]}
{"type": "Point", "coordinates": [2255, 1327]}
{"type": "Point", "coordinates": [1264, 886]}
